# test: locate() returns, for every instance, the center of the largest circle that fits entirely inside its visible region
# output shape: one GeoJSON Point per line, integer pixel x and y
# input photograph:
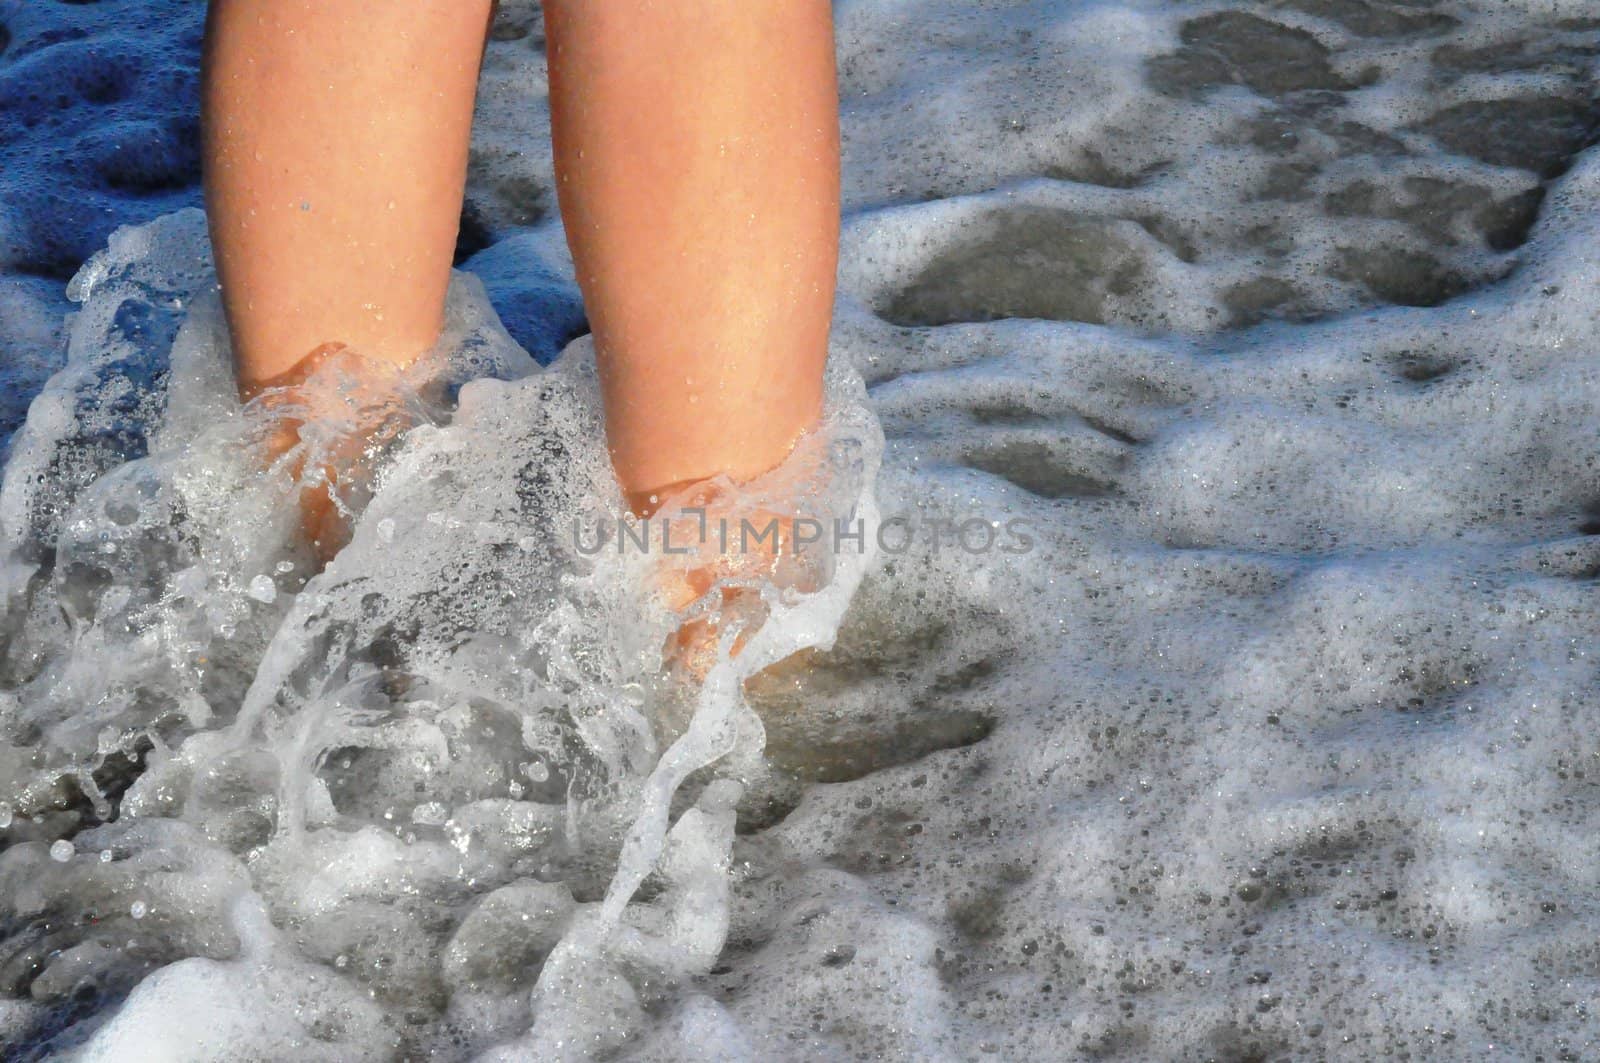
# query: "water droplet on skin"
{"type": "Point", "coordinates": [5, 816]}
{"type": "Point", "coordinates": [341, 961]}
{"type": "Point", "coordinates": [538, 771]}
{"type": "Point", "coordinates": [138, 909]}
{"type": "Point", "coordinates": [105, 856]}
{"type": "Point", "coordinates": [62, 851]}
{"type": "Point", "coordinates": [262, 589]}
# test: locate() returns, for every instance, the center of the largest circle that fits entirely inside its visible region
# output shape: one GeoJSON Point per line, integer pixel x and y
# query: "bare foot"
{"type": "Point", "coordinates": [737, 550]}
{"type": "Point", "coordinates": [329, 418]}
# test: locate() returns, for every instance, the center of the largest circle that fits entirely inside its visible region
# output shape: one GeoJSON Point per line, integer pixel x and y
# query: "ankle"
{"type": "Point", "coordinates": [727, 451]}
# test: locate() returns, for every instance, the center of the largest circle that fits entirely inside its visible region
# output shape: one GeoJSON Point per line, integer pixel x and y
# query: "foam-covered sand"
{"type": "Point", "coordinates": [1272, 326]}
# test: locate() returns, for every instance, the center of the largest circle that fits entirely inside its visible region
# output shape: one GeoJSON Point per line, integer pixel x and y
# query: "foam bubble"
{"type": "Point", "coordinates": [356, 740]}
{"type": "Point", "coordinates": [1274, 739]}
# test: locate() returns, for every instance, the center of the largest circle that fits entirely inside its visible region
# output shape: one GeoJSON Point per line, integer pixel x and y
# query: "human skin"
{"type": "Point", "coordinates": [336, 135]}
{"type": "Point", "coordinates": [697, 165]}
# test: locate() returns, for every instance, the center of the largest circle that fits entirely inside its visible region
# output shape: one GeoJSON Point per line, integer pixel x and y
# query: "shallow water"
{"type": "Point", "coordinates": [1271, 326]}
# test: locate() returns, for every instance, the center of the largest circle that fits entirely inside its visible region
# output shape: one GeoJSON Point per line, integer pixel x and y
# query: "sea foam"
{"type": "Point", "coordinates": [1269, 325]}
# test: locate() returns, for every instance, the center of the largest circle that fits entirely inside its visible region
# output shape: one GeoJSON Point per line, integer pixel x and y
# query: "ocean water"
{"type": "Point", "coordinates": [1226, 688]}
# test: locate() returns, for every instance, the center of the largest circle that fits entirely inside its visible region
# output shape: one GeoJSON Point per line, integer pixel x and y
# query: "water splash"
{"type": "Point", "coordinates": [461, 716]}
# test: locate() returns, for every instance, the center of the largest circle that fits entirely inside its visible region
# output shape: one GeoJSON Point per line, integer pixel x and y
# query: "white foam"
{"type": "Point", "coordinates": [1277, 742]}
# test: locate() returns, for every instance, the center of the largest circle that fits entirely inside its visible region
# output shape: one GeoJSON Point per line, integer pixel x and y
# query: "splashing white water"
{"type": "Point", "coordinates": [1272, 321]}
{"type": "Point", "coordinates": [461, 712]}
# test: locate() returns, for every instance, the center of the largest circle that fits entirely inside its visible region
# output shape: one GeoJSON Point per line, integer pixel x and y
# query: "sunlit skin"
{"type": "Point", "coordinates": [336, 136]}
{"type": "Point", "coordinates": [697, 159]}
{"type": "Point", "coordinates": [697, 164]}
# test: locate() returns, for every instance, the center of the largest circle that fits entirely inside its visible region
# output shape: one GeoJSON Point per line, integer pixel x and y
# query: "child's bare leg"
{"type": "Point", "coordinates": [697, 159]}
{"type": "Point", "coordinates": [336, 136]}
